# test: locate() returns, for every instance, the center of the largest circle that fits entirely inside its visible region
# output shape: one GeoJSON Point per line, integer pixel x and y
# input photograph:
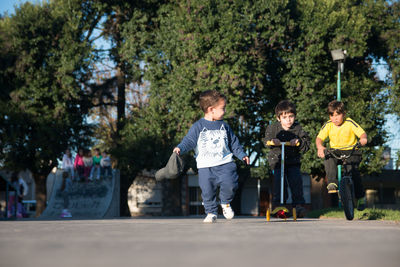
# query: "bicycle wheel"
{"type": "Point", "coordinates": [347, 197]}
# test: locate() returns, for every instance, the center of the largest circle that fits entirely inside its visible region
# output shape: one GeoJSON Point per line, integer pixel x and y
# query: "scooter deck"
{"type": "Point", "coordinates": [281, 212]}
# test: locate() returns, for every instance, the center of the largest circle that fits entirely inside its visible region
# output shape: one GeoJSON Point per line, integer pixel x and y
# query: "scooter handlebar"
{"type": "Point", "coordinates": [270, 143]}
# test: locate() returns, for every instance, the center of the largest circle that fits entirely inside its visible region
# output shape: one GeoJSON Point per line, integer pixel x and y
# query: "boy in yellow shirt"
{"type": "Point", "coordinates": [342, 133]}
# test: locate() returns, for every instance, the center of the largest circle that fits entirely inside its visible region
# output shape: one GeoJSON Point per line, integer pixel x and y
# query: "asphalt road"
{"type": "Point", "coordinates": [189, 242]}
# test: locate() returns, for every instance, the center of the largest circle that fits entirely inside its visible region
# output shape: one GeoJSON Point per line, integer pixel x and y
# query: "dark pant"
{"type": "Point", "coordinates": [66, 199]}
{"type": "Point", "coordinates": [80, 169]}
{"type": "Point", "coordinates": [292, 178]}
{"type": "Point", "coordinates": [106, 171]}
{"type": "Point", "coordinates": [225, 177]}
{"type": "Point", "coordinates": [351, 166]}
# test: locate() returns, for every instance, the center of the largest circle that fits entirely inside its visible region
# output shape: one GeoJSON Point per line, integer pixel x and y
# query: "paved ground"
{"type": "Point", "coordinates": [189, 242]}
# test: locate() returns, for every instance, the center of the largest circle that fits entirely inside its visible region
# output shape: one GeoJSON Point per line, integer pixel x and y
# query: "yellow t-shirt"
{"type": "Point", "coordinates": [343, 136]}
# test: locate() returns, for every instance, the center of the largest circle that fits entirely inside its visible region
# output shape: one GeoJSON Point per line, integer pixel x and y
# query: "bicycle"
{"type": "Point", "coordinates": [346, 185]}
{"type": "Point", "coordinates": [282, 211]}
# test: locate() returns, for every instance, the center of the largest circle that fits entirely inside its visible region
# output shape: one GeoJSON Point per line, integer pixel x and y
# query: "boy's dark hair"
{"type": "Point", "coordinates": [285, 106]}
{"type": "Point", "coordinates": [336, 106]}
{"type": "Point", "coordinates": [210, 98]}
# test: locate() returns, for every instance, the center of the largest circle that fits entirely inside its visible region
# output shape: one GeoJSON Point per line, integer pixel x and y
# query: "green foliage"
{"type": "Point", "coordinates": [391, 39]}
{"type": "Point", "coordinates": [311, 78]}
{"type": "Point", "coordinates": [257, 54]}
{"type": "Point", "coordinates": [231, 46]}
{"type": "Point", "coordinates": [45, 57]}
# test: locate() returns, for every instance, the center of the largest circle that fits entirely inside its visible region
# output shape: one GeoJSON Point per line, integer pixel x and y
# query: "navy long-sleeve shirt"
{"type": "Point", "coordinates": [214, 143]}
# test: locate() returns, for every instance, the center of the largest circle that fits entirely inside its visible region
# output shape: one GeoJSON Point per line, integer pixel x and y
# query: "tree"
{"type": "Point", "coordinates": [209, 45]}
{"type": "Point", "coordinates": [260, 52]}
{"type": "Point", "coordinates": [311, 79]}
{"type": "Point", "coordinates": [231, 46]}
{"type": "Point", "coordinates": [125, 26]}
{"type": "Point", "coordinates": [391, 39]}
{"type": "Point", "coordinates": [46, 56]}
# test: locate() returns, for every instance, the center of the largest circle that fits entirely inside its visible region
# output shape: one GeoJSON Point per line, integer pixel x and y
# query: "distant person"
{"type": "Point", "coordinates": [105, 165]}
{"type": "Point", "coordinates": [88, 164]}
{"type": "Point", "coordinates": [95, 172]}
{"type": "Point", "coordinates": [68, 163]}
{"type": "Point", "coordinates": [215, 144]}
{"type": "Point", "coordinates": [286, 129]}
{"type": "Point", "coordinates": [79, 166]}
{"type": "Point", "coordinates": [66, 187]}
{"type": "Point", "coordinates": [17, 193]}
{"type": "Point", "coordinates": [342, 132]}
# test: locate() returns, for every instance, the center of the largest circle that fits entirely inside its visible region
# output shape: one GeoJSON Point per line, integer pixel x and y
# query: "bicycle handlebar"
{"type": "Point", "coordinates": [331, 151]}
{"type": "Point", "coordinates": [270, 143]}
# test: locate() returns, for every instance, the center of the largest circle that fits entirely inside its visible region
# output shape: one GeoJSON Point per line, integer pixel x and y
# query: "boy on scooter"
{"type": "Point", "coordinates": [287, 130]}
{"type": "Point", "coordinates": [342, 133]}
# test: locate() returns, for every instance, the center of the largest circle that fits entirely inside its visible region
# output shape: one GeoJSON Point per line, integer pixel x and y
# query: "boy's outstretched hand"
{"type": "Point", "coordinates": [276, 141]}
{"type": "Point", "coordinates": [320, 152]}
{"type": "Point", "coordinates": [294, 142]}
{"type": "Point", "coordinates": [177, 150]}
{"type": "Point", "coordinates": [363, 139]}
{"type": "Point", "coordinates": [247, 160]}
{"type": "Point", "coordinates": [320, 147]}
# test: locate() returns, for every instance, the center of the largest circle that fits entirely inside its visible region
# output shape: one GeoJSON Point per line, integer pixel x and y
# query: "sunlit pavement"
{"type": "Point", "coordinates": [244, 241]}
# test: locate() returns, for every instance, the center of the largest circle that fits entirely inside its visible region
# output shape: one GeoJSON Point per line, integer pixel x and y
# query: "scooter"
{"type": "Point", "coordinates": [281, 211]}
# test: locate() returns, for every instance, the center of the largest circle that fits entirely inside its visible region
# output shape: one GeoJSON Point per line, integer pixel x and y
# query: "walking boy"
{"type": "Point", "coordinates": [342, 133]}
{"type": "Point", "coordinates": [287, 130]}
{"type": "Point", "coordinates": [215, 144]}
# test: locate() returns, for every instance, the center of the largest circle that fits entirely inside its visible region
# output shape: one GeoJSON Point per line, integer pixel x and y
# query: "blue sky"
{"type": "Point", "coordinates": [8, 5]}
{"type": "Point", "coordinates": [392, 126]}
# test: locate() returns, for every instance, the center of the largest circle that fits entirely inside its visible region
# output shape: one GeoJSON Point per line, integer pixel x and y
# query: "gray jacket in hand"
{"type": "Point", "coordinates": [292, 153]}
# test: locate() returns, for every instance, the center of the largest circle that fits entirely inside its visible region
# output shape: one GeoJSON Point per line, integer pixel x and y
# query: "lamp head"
{"type": "Point", "coordinates": [338, 54]}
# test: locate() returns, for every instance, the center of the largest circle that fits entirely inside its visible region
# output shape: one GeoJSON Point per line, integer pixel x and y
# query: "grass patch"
{"type": "Point", "coordinates": [367, 214]}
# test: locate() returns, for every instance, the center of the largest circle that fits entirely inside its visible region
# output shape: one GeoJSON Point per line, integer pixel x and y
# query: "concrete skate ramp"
{"type": "Point", "coordinates": [97, 199]}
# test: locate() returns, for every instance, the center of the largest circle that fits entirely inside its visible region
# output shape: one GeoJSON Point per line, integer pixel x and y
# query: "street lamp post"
{"type": "Point", "coordinates": [339, 56]}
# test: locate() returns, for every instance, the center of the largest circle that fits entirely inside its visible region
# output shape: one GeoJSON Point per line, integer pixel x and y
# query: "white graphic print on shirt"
{"type": "Point", "coordinates": [212, 145]}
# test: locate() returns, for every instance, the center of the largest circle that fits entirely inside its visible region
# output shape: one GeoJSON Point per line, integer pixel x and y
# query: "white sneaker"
{"type": "Point", "coordinates": [227, 211]}
{"type": "Point", "coordinates": [211, 218]}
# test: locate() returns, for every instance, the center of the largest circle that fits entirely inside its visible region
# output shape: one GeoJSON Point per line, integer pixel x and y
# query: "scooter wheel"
{"type": "Point", "coordinates": [281, 214]}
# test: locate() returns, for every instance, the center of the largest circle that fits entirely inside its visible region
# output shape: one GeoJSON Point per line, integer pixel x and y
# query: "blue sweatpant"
{"type": "Point", "coordinates": [295, 181]}
{"type": "Point", "coordinates": [224, 176]}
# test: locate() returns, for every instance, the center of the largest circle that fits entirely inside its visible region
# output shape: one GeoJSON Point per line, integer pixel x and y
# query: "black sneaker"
{"type": "Point", "coordinates": [301, 212]}
{"type": "Point", "coordinates": [332, 188]}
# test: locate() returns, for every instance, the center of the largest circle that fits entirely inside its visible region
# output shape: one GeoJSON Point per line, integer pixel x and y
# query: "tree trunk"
{"type": "Point", "coordinates": [40, 183]}
{"type": "Point", "coordinates": [121, 100]}
{"type": "Point", "coordinates": [125, 183]}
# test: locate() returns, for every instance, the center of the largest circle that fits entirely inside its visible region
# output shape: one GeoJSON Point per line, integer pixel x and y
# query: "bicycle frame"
{"type": "Point", "coordinates": [346, 195]}
{"type": "Point", "coordinates": [343, 158]}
